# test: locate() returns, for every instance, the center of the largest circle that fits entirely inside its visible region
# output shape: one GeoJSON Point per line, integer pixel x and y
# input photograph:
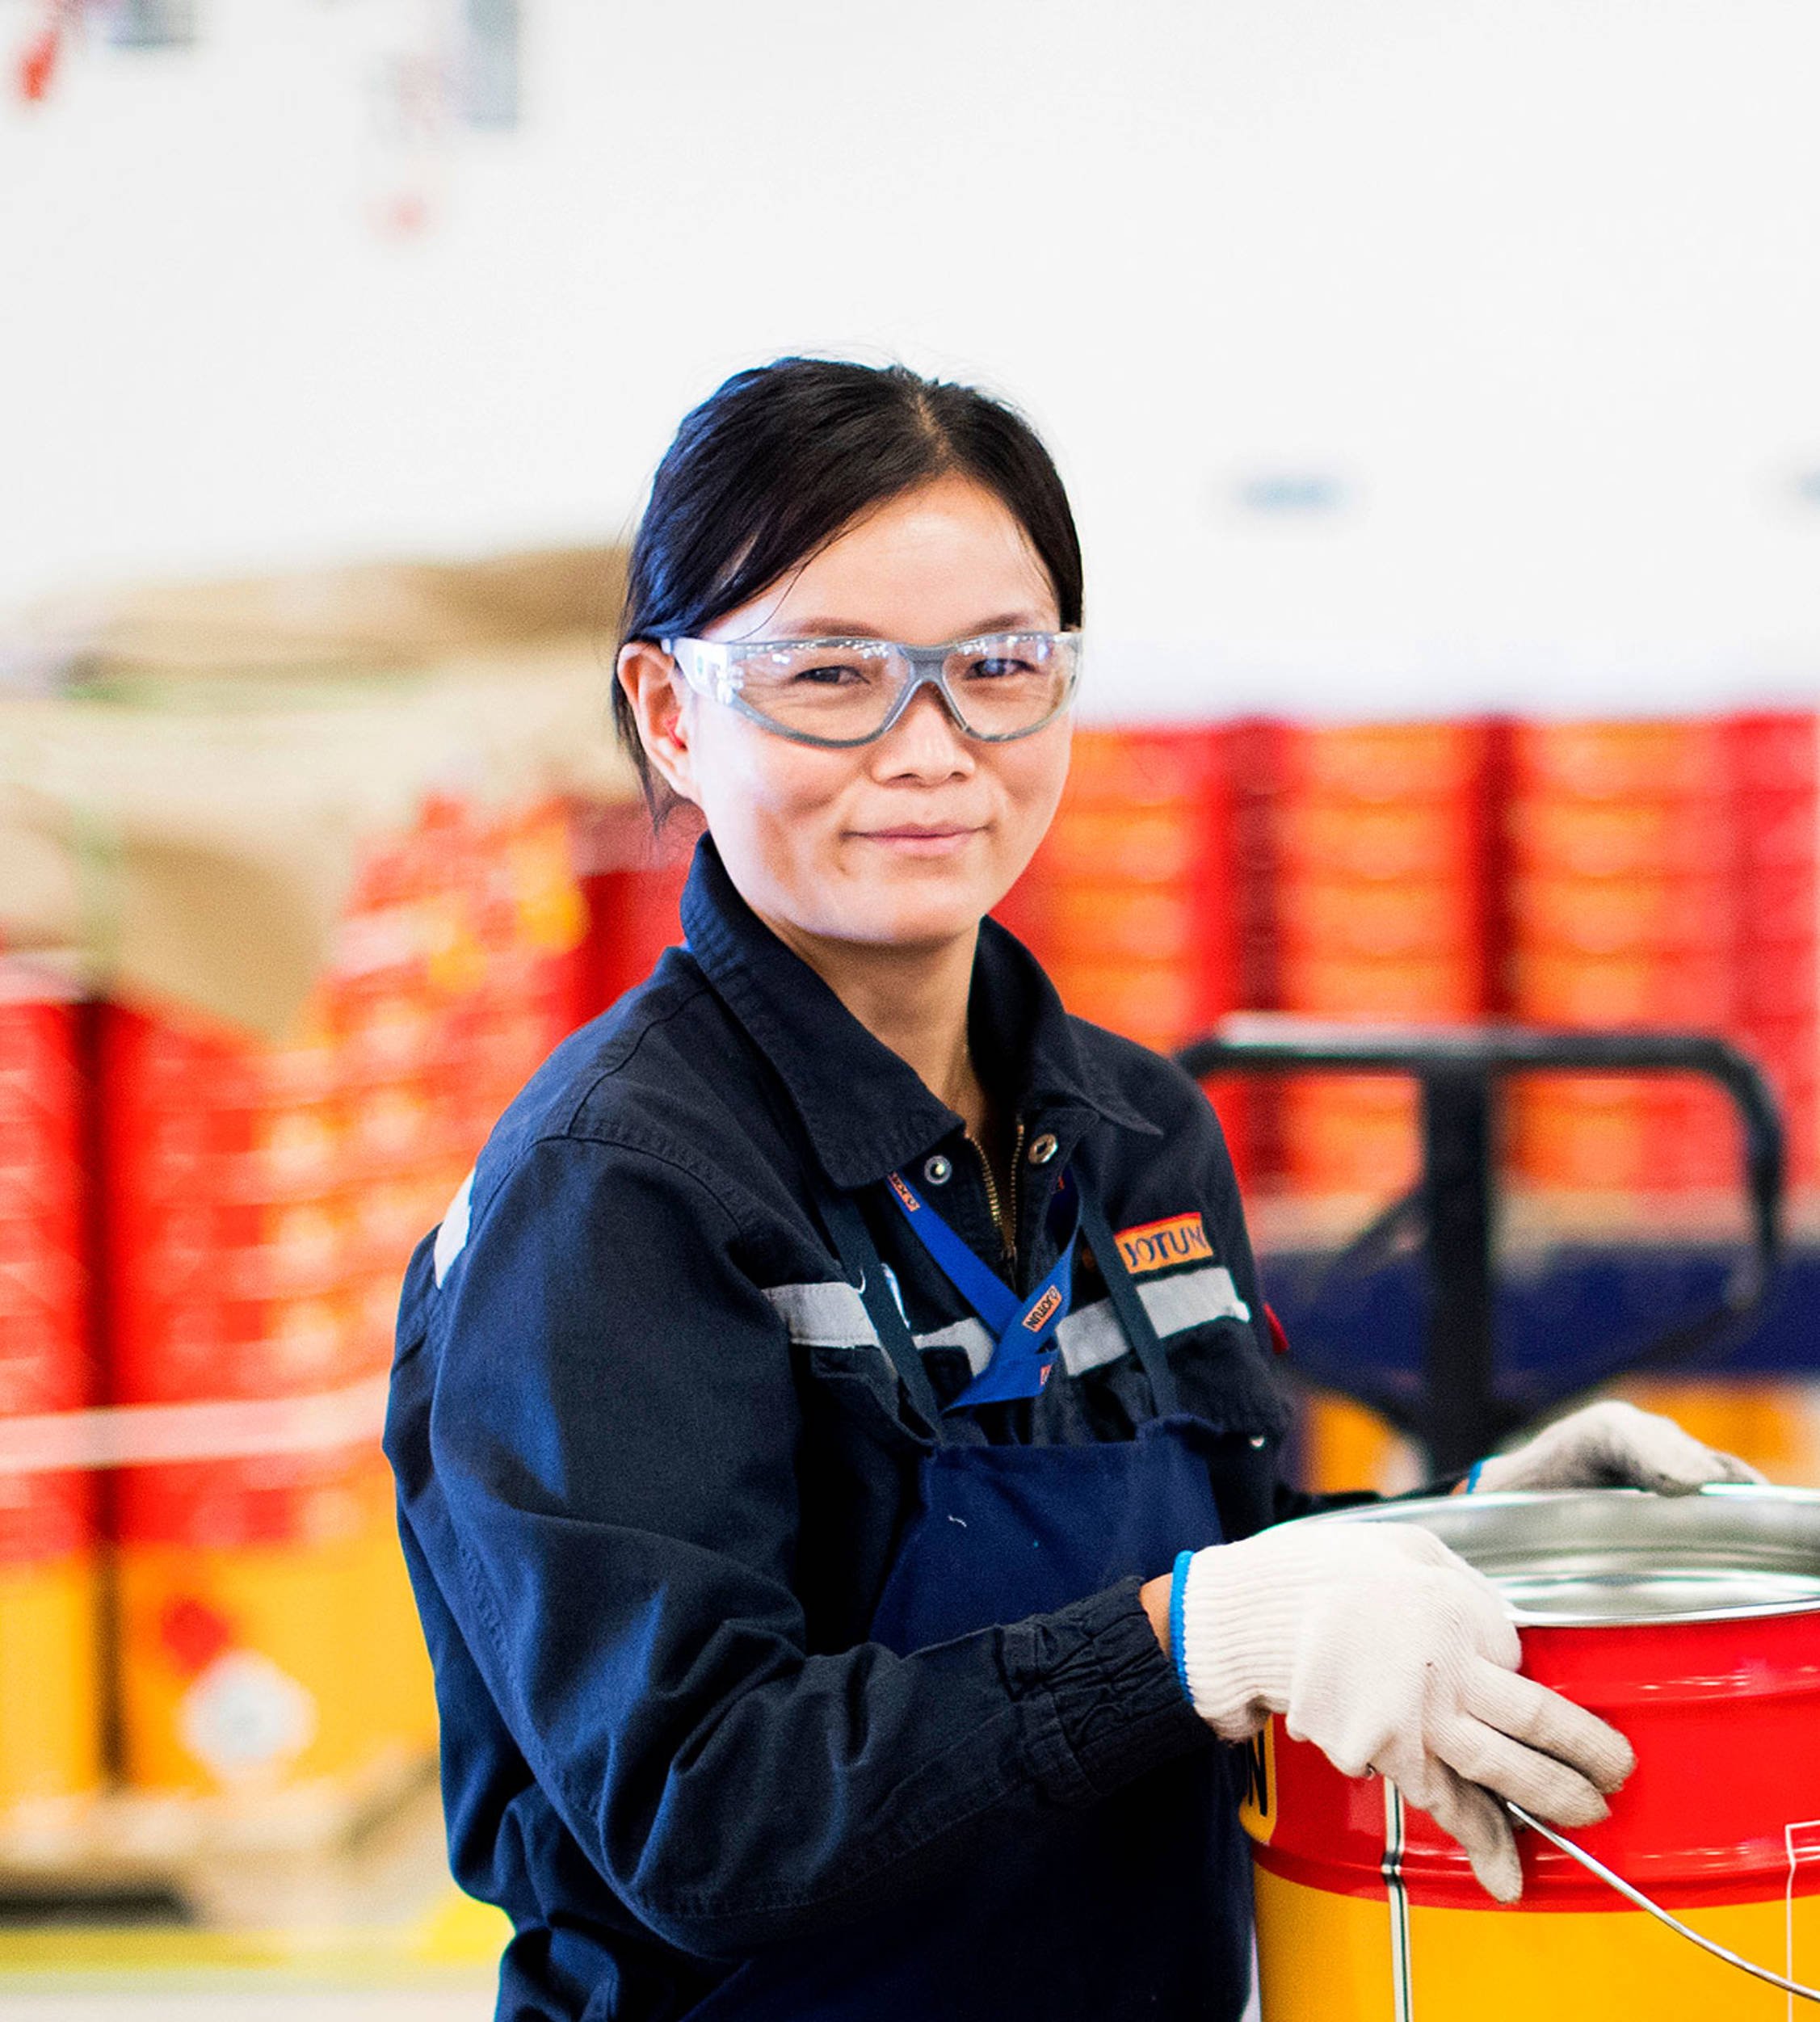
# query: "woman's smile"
{"type": "Point", "coordinates": [914, 840]}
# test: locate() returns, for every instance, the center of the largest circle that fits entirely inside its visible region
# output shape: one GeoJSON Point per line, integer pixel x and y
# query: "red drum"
{"type": "Point", "coordinates": [1693, 1625]}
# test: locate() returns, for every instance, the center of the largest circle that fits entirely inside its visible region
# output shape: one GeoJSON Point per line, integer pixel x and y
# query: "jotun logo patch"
{"type": "Point", "coordinates": [1157, 1244]}
{"type": "Point", "coordinates": [1035, 1318]}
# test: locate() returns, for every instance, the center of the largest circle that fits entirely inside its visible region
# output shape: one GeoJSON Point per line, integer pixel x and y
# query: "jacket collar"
{"type": "Point", "coordinates": [865, 1111]}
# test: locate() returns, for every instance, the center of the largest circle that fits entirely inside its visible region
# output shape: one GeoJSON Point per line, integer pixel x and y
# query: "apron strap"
{"type": "Point", "coordinates": [865, 1270]}
{"type": "Point", "coordinates": [1132, 1317]}
{"type": "Point", "coordinates": [860, 1260]}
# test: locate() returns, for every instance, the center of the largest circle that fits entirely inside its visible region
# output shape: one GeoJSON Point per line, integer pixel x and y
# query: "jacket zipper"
{"type": "Point", "coordinates": [1008, 1236]}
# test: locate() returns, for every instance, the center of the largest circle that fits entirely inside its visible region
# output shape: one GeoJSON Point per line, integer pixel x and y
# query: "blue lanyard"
{"type": "Point", "coordinates": [1023, 1329]}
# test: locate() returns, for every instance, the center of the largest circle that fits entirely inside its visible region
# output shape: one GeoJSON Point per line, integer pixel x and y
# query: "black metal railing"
{"type": "Point", "coordinates": [1460, 1411]}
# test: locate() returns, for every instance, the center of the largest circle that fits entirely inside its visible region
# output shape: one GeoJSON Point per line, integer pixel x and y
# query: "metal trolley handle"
{"type": "Point", "coordinates": [1655, 1909]}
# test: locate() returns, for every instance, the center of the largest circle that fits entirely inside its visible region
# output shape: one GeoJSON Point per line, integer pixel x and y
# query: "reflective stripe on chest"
{"type": "Point", "coordinates": [831, 1315]}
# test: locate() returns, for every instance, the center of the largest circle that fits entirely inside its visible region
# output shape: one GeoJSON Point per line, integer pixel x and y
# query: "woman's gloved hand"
{"type": "Point", "coordinates": [1612, 1445]}
{"type": "Point", "coordinates": [1392, 1655]}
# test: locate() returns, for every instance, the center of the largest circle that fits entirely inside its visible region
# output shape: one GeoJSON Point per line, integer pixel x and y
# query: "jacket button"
{"type": "Point", "coordinates": [937, 1171]}
{"type": "Point", "coordinates": [1042, 1149]}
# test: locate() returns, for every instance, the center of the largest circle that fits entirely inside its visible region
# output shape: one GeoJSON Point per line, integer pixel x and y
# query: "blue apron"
{"type": "Point", "coordinates": [1139, 1905]}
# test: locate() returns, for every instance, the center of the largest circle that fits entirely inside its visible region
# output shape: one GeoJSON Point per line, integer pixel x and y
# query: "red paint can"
{"type": "Point", "coordinates": [1693, 1625]}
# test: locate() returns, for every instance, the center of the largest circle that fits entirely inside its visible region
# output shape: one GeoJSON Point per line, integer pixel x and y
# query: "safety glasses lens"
{"type": "Point", "coordinates": [843, 690]}
{"type": "Point", "coordinates": [1004, 685]}
{"type": "Point", "coordinates": [826, 691]}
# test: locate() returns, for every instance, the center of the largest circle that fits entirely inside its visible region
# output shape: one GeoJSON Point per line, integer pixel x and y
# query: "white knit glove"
{"type": "Point", "coordinates": [1613, 1445]}
{"type": "Point", "coordinates": [1393, 1656]}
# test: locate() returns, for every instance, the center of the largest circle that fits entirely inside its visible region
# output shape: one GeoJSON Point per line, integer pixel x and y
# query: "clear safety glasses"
{"type": "Point", "coordinates": [837, 692]}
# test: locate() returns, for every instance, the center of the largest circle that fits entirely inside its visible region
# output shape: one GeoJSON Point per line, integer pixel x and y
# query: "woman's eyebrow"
{"type": "Point", "coordinates": [819, 628]}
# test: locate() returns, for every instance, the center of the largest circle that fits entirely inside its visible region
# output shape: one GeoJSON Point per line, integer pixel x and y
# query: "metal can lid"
{"type": "Point", "coordinates": [1578, 1558]}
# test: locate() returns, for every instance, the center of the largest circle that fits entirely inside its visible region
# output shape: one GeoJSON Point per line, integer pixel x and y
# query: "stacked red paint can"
{"type": "Point", "coordinates": [1129, 890]}
{"type": "Point", "coordinates": [633, 875]}
{"type": "Point", "coordinates": [1622, 911]}
{"type": "Point", "coordinates": [1129, 902]}
{"type": "Point", "coordinates": [530, 921]}
{"type": "Point", "coordinates": [262, 1203]}
{"type": "Point", "coordinates": [1375, 835]}
{"type": "Point", "coordinates": [50, 1719]}
{"type": "Point", "coordinates": [1776, 825]}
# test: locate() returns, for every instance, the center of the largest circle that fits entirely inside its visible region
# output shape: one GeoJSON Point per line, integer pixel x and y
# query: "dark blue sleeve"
{"type": "Point", "coordinates": [598, 1442]}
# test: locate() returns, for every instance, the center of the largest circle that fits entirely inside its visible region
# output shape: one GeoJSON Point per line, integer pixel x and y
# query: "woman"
{"type": "Point", "coordinates": [814, 1484]}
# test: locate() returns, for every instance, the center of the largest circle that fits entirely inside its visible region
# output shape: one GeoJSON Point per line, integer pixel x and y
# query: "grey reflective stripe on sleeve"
{"type": "Point", "coordinates": [1197, 1296]}
{"type": "Point", "coordinates": [832, 1315]}
{"type": "Point", "coordinates": [1091, 1337]}
{"type": "Point", "coordinates": [451, 1235]}
{"type": "Point", "coordinates": [828, 1315]}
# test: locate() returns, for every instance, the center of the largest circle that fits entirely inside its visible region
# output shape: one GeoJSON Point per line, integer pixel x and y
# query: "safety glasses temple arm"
{"type": "Point", "coordinates": [706, 665]}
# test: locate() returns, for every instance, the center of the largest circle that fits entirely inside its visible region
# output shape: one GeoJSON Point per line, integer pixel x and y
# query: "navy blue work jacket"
{"type": "Point", "coordinates": [653, 1464]}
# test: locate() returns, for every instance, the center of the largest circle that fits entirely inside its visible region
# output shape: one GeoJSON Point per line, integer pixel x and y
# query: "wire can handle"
{"type": "Point", "coordinates": [1635, 1895]}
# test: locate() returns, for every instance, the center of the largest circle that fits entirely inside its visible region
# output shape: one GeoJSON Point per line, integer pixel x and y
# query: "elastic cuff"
{"type": "Point", "coordinates": [1103, 1702]}
{"type": "Point", "coordinates": [1177, 1595]}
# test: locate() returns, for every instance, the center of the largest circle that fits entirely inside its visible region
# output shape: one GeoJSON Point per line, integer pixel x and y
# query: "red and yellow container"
{"type": "Point", "coordinates": [262, 1203]}
{"type": "Point", "coordinates": [1693, 1625]}
{"type": "Point", "coordinates": [50, 1712]}
{"type": "Point", "coordinates": [267, 1636]}
{"type": "Point", "coordinates": [250, 1232]}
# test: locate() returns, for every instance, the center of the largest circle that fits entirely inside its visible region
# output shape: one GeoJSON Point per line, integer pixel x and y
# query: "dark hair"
{"type": "Point", "coordinates": [779, 460]}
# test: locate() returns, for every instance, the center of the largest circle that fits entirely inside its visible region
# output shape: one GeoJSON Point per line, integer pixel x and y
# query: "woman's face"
{"type": "Point", "coordinates": [907, 841]}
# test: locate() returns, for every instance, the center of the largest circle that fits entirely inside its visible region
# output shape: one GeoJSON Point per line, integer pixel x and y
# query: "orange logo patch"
{"type": "Point", "coordinates": [1157, 1244]}
{"type": "Point", "coordinates": [904, 1193]}
{"type": "Point", "coordinates": [1044, 1307]}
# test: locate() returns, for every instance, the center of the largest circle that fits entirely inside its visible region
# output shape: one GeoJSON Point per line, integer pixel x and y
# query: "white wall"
{"type": "Point", "coordinates": [1530, 288]}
